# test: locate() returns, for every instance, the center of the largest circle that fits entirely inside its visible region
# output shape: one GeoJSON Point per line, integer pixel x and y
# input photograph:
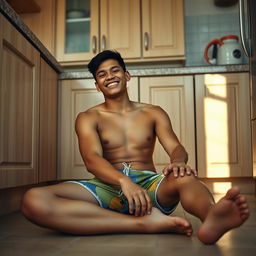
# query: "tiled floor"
{"type": "Point", "coordinates": [20, 237]}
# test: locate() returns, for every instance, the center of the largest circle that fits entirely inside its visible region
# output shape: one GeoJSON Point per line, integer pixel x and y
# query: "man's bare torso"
{"type": "Point", "coordinates": [127, 137]}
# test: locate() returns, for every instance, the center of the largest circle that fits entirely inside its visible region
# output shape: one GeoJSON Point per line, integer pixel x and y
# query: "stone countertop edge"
{"type": "Point", "coordinates": [140, 72]}
{"type": "Point", "coordinates": [15, 19]}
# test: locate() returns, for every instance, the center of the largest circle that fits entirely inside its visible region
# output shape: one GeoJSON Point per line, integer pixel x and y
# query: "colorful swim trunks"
{"type": "Point", "coordinates": [111, 197]}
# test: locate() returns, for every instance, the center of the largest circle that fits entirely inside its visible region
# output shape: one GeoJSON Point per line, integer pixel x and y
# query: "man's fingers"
{"type": "Point", "coordinates": [179, 170]}
{"type": "Point", "coordinates": [175, 171]}
{"type": "Point", "coordinates": [188, 170]}
{"type": "Point", "coordinates": [140, 204]}
{"type": "Point", "coordinates": [182, 171]}
{"type": "Point", "coordinates": [166, 171]}
{"type": "Point", "coordinates": [137, 205]}
{"type": "Point", "coordinates": [131, 205]}
{"type": "Point", "coordinates": [149, 203]}
{"type": "Point", "coordinates": [143, 202]}
{"type": "Point", "coordinates": [194, 172]}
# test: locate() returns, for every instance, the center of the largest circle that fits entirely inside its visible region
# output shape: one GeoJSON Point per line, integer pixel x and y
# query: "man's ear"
{"type": "Point", "coordinates": [97, 87]}
{"type": "Point", "coordinates": [127, 76]}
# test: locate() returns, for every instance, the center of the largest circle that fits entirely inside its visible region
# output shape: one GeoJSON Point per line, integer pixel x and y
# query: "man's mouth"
{"type": "Point", "coordinates": [112, 84]}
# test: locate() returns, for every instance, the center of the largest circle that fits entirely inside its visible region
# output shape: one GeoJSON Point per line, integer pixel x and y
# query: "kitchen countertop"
{"type": "Point", "coordinates": [15, 19]}
{"type": "Point", "coordinates": [164, 71]}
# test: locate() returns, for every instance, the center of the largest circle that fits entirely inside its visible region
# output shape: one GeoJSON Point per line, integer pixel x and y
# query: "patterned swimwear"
{"type": "Point", "coordinates": [111, 196]}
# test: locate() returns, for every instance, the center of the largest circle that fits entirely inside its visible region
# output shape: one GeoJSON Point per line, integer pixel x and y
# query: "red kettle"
{"type": "Point", "coordinates": [226, 50]}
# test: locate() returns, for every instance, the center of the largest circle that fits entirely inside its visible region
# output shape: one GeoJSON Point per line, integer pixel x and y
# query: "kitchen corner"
{"type": "Point", "coordinates": [43, 87]}
{"type": "Point", "coordinates": [187, 81]}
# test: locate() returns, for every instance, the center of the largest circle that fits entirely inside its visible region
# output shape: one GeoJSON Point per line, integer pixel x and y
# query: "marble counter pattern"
{"type": "Point", "coordinates": [140, 72]}
{"type": "Point", "coordinates": [15, 19]}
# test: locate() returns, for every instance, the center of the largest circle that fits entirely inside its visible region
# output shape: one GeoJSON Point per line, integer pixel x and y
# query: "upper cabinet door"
{"type": "Point", "coordinates": [120, 27]}
{"type": "Point", "coordinates": [77, 30]}
{"type": "Point", "coordinates": [163, 28]}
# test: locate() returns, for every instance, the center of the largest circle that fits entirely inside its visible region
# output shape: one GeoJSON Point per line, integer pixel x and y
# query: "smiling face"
{"type": "Point", "coordinates": [111, 79]}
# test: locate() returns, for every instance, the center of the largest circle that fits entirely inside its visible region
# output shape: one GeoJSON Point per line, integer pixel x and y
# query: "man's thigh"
{"type": "Point", "coordinates": [70, 191]}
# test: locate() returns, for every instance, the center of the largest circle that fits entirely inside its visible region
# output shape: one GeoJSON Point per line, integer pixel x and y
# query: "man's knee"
{"type": "Point", "coordinates": [34, 204]}
{"type": "Point", "coordinates": [185, 180]}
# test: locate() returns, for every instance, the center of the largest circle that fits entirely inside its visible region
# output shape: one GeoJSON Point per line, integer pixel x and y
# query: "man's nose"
{"type": "Point", "coordinates": [110, 75]}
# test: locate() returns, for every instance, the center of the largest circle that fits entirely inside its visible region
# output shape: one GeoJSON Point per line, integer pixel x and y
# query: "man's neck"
{"type": "Point", "coordinates": [119, 104]}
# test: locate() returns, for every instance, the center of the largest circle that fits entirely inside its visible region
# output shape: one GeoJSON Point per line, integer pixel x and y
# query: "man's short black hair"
{"type": "Point", "coordinates": [102, 56]}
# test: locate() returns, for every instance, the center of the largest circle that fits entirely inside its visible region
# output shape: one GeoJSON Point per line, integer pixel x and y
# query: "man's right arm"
{"type": "Point", "coordinates": [92, 154]}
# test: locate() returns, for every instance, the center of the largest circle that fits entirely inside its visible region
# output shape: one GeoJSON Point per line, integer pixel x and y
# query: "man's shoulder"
{"type": "Point", "coordinates": [91, 112]}
{"type": "Point", "coordinates": [148, 107]}
{"type": "Point", "coordinates": [89, 116]}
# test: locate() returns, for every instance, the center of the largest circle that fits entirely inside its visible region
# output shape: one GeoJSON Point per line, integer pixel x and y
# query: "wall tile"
{"type": "Point", "coordinates": [202, 29]}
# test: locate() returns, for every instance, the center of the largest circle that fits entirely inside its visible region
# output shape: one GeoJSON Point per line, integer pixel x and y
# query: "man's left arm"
{"type": "Point", "coordinates": [169, 141]}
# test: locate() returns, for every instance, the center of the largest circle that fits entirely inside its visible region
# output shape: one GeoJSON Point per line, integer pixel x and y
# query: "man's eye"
{"type": "Point", "coordinates": [115, 70]}
{"type": "Point", "coordinates": [101, 75]}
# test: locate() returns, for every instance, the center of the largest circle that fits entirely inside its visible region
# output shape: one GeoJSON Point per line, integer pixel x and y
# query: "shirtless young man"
{"type": "Point", "coordinates": [116, 141]}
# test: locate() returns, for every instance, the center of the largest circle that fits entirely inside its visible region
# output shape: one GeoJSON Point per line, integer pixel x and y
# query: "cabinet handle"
{"type": "Point", "coordinates": [146, 40]}
{"type": "Point", "coordinates": [103, 43]}
{"type": "Point", "coordinates": [94, 44]}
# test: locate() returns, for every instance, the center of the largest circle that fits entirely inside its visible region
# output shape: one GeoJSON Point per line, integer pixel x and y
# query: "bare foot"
{"type": "Point", "coordinates": [230, 212]}
{"type": "Point", "coordinates": [157, 222]}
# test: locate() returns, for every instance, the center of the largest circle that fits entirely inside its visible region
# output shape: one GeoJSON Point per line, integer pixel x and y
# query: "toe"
{"type": "Point", "coordinates": [245, 211]}
{"type": "Point", "coordinates": [243, 206]}
{"type": "Point", "coordinates": [240, 200]}
{"type": "Point", "coordinates": [189, 233]}
{"type": "Point", "coordinates": [232, 193]}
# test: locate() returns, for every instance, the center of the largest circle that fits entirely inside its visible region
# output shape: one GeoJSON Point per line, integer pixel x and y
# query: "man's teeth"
{"type": "Point", "coordinates": [112, 84]}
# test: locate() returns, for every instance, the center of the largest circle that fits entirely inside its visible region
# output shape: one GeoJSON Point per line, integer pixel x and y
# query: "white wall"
{"type": "Point", "coordinates": [206, 7]}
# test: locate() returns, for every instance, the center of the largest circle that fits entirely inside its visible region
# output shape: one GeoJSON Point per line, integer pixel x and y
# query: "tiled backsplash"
{"type": "Point", "coordinates": [202, 29]}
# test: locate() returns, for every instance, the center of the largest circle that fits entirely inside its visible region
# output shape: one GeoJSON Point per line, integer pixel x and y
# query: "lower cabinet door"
{"type": "Point", "coordinates": [175, 95]}
{"type": "Point", "coordinates": [19, 91]}
{"type": "Point", "coordinates": [223, 125]}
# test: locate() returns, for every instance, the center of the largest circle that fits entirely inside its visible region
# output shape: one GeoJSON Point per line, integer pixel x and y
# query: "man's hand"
{"type": "Point", "coordinates": [139, 201]}
{"type": "Point", "coordinates": [179, 169]}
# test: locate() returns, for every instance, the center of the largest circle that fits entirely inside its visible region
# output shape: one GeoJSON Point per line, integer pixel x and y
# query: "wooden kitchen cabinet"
{"type": "Point", "coordinates": [163, 29]}
{"type": "Point", "coordinates": [77, 96]}
{"type": "Point", "coordinates": [223, 125]}
{"type": "Point", "coordinates": [176, 96]}
{"type": "Point", "coordinates": [116, 24]}
{"type": "Point", "coordinates": [28, 112]}
{"type": "Point", "coordinates": [77, 34]}
{"type": "Point", "coordinates": [42, 23]}
{"type": "Point", "coordinates": [105, 24]}
{"type": "Point", "coordinates": [120, 29]}
{"type": "Point", "coordinates": [19, 97]}
{"type": "Point", "coordinates": [24, 6]}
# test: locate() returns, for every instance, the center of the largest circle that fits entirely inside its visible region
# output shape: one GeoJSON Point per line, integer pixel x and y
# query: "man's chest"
{"type": "Point", "coordinates": [133, 129]}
